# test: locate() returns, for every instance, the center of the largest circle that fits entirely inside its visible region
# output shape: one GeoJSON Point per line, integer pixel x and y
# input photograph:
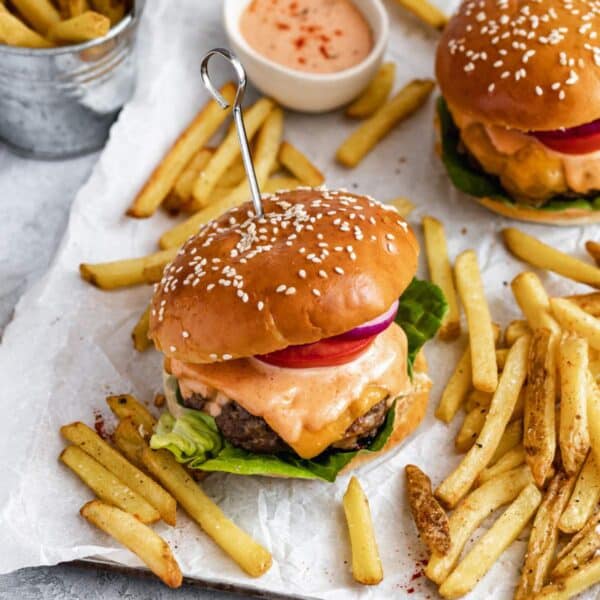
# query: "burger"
{"type": "Point", "coordinates": [291, 340]}
{"type": "Point", "coordinates": [520, 115]}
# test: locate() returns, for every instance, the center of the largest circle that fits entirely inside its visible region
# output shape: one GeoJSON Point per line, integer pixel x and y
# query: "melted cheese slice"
{"type": "Point", "coordinates": [309, 408]}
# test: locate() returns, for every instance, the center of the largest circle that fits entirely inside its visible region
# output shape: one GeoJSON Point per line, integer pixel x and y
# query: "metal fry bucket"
{"type": "Point", "coordinates": [60, 102]}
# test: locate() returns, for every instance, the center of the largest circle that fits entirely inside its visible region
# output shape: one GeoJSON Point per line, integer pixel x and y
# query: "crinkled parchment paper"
{"type": "Point", "coordinates": [69, 344]}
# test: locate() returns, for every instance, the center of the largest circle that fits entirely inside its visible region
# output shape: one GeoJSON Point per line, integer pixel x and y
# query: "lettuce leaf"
{"type": "Point", "coordinates": [471, 180]}
{"type": "Point", "coordinates": [421, 311]}
{"type": "Point", "coordinates": [194, 438]}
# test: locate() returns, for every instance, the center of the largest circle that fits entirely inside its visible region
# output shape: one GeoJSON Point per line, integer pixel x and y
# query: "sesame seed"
{"type": "Point", "coordinates": [339, 270]}
{"type": "Point", "coordinates": [280, 288]}
{"type": "Point", "coordinates": [316, 292]}
{"type": "Point", "coordinates": [227, 357]}
{"type": "Point", "coordinates": [185, 334]}
{"type": "Point", "coordinates": [302, 274]}
{"type": "Point", "coordinates": [260, 305]}
{"type": "Point", "coordinates": [172, 349]}
{"type": "Point", "coordinates": [290, 291]}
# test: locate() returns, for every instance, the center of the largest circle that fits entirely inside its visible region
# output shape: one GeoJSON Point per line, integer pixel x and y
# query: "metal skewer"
{"type": "Point", "coordinates": [237, 116]}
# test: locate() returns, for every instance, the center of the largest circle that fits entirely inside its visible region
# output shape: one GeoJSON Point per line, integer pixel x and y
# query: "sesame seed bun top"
{"type": "Point", "coordinates": [318, 263]}
{"type": "Point", "coordinates": [523, 64]}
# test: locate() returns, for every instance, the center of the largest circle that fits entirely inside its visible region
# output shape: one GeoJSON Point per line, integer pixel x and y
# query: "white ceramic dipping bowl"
{"type": "Point", "coordinates": [308, 92]}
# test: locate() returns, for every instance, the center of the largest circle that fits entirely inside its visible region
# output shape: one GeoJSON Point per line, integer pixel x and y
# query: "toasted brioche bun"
{"type": "Point", "coordinates": [318, 264]}
{"type": "Point", "coordinates": [508, 63]}
{"type": "Point", "coordinates": [521, 212]}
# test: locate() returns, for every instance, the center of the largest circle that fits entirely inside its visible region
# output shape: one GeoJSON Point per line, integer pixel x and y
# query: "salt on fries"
{"type": "Point", "coordinates": [586, 576]}
{"type": "Point", "coordinates": [581, 548]}
{"type": "Point", "coordinates": [572, 318]}
{"type": "Point", "coordinates": [372, 130]}
{"type": "Point", "coordinates": [544, 537]}
{"type": "Point", "coordinates": [429, 516]}
{"type": "Point", "coordinates": [107, 486]}
{"type": "Point", "coordinates": [426, 12]}
{"type": "Point", "coordinates": [440, 271]}
{"type": "Point", "coordinates": [375, 94]}
{"type": "Point", "coordinates": [366, 564]}
{"type": "Point", "coordinates": [534, 302]}
{"type": "Point", "coordinates": [139, 538]}
{"type": "Point", "coordinates": [248, 554]}
{"type": "Point", "coordinates": [132, 271]}
{"type": "Point", "coordinates": [195, 136]}
{"type": "Point", "coordinates": [90, 442]}
{"type": "Point", "coordinates": [538, 254]}
{"type": "Point", "coordinates": [455, 486]}
{"type": "Point", "coordinates": [574, 439]}
{"type": "Point", "coordinates": [125, 406]}
{"type": "Point", "coordinates": [471, 513]}
{"type": "Point", "coordinates": [481, 333]}
{"type": "Point", "coordinates": [590, 303]}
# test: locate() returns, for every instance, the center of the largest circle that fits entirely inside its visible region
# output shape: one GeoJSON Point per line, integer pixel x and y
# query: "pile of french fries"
{"type": "Point", "coordinates": [46, 23]}
{"type": "Point", "coordinates": [136, 486]}
{"type": "Point", "coordinates": [530, 433]}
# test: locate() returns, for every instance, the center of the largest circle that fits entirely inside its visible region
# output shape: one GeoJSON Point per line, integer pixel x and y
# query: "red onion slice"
{"type": "Point", "coordinates": [373, 327]}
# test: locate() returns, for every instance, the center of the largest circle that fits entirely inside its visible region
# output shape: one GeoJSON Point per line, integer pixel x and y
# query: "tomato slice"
{"type": "Point", "coordinates": [329, 352]}
{"type": "Point", "coordinates": [577, 140]}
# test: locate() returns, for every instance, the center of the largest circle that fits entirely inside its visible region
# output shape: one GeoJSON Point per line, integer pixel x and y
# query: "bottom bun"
{"type": "Point", "coordinates": [521, 212]}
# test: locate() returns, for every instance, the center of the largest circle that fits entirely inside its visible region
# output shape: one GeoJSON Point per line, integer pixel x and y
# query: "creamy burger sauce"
{"type": "Point", "coordinates": [582, 171]}
{"type": "Point", "coordinates": [318, 36]}
{"type": "Point", "coordinates": [293, 400]}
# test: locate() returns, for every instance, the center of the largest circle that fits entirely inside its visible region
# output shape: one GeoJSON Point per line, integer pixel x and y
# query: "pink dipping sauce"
{"type": "Point", "coordinates": [316, 36]}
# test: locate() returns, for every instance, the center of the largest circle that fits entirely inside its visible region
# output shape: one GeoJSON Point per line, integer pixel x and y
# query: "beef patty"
{"type": "Point", "coordinates": [252, 433]}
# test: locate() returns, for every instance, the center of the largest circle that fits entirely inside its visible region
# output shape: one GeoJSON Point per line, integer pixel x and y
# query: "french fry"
{"type": "Point", "coordinates": [572, 318]}
{"type": "Point", "coordinates": [588, 302]}
{"type": "Point", "coordinates": [107, 486]}
{"type": "Point", "coordinates": [77, 7]}
{"type": "Point", "coordinates": [14, 32]}
{"type": "Point", "coordinates": [573, 437]}
{"type": "Point", "coordinates": [299, 165]}
{"type": "Point", "coordinates": [492, 544]}
{"type": "Point", "coordinates": [515, 457]}
{"type": "Point", "coordinates": [501, 354]}
{"type": "Point", "coordinates": [373, 130]}
{"type": "Point", "coordinates": [247, 553]}
{"type": "Point", "coordinates": [593, 417]}
{"type": "Point", "coordinates": [481, 333]}
{"type": "Point", "coordinates": [594, 365]}
{"type": "Point", "coordinates": [471, 512]}
{"type": "Point", "coordinates": [234, 174]}
{"type": "Point", "coordinates": [586, 576]}
{"type": "Point", "coordinates": [540, 255]}
{"type": "Point", "coordinates": [373, 97]}
{"type": "Point", "coordinates": [440, 272]}
{"type": "Point", "coordinates": [139, 335]}
{"type": "Point", "coordinates": [127, 272]}
{"type": "Point", "coordinates": [514, 330]}
{"type": "Point", "coordinates": [470, 429]}
{"type": "Point", "coordinates": [276, 184]}
{"type": "Point", "coordinates": [90, 442]}
{"type": "Point", "coordinates": [266, 152]}
{"type": "Point", "coordinates": [477, 399]}
{"type": "Point", "coordinates": [128, 440]}
{"type": "Point", "coordinates": [456, 389]}
{"type": "Point", "coordinates": [366, 564]}
{"type": "Point", "coordinates": [113, 9]}
{"type": "Point", "coordinates": [584, 499]}
{"type": "Point", "coordinates": [593, 249]}
{"type": "Point", "coordinates": [228, 151]}
{"type": "Point", "coordinates": [182, 188]}
{"type": "Point", "coordinates": [539, 420]}
{"type": "Point", "coordinates": [511, 438]}
{"type": "Point", "coordinates": [40, 14]}
{"type": "Point", "coordinates": [458, 483]}
{"type": "Point", "coordinates": [82, 28]}
{"type": "Point", "coordinates": [403, 205]}
{"type": "Point", "coordinates": [581, 548]}
{"type": "Point", "coordinates": [427, 12]}
{"type": "Point", "coordinates": [544, 537]}
{"type": "Point", "coordinates": [125, 406]}
{"type": "Point", "coordinates": [429, 516]}
{"type": "Point", "coordinates": [152, 550]}
{"type": "Point", "coordinates": [193, 138]}
{"type": "Point", "coordinates": [534, 302]}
